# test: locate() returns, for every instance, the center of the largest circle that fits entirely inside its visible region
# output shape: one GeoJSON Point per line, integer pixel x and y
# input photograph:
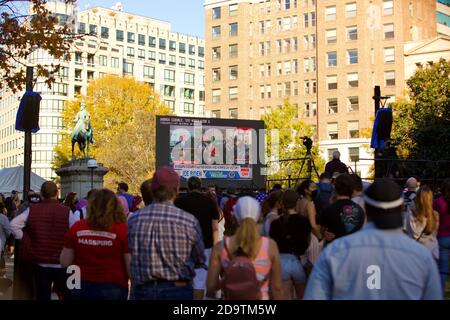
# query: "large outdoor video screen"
{"type": "Point", "coordinates": [223, 152]}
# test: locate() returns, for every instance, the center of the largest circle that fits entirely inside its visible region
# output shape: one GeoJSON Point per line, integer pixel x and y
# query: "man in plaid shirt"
{"type": "Point", "coordinates": [166, 244]}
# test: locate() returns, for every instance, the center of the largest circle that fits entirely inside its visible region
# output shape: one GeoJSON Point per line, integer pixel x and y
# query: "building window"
{"type": "Point", "coordinates": [192, 63]}
{"type": "Point", "coordinates": [162, 44]}
{"type": "Point", "coordinates": [216, 95]}
{"type": "Point", "coordinates": [388, 30]}
{"type": "Point", "coordinates": [149, 72]}
{"type": "Point", "coordinates": [306, 20]}
{"type": "Point", "coordinates": [188, 108]}
{"type": "Point", "coordinates": [114, 62]}
{"type": "Point", "coordinates": [388, 7]}
{"type": "Point", "coordinates": [332, 105]}
{"type": "Point", "coordinates": [168, 91]}
{"type": "Point", "coordinates": [330, 13]}
{"type": "Point", "coordinates": [128, 68]}
{"type": "Point", "coordinates": [191, 49]}
{"type": "Point", "coordinates": [187, 94]}
{"type": "Point", "coordinates": [130, 37]}
{"type": "Point", "coordinates": [287, 67]}
{"type": "Point", "coordinates": [201, 52]}
{"type": "Point", "coordinates": [233, 72]}
{"type": "Point", "coordinates": [130, 52]}
{"type": "Point", "coordinates": [307, 113]}
{"type": "Point", "coordinates": [162, 58]}
{"type": "Point", "coordinates": [313, 19]}
{"type": "Point", "coordinates": [105, 33]}
{"type": "Point", "coordinates": [141, 39]}
{"type": "Point", "coordinates": [216, 32]}
{"type": "Point", "coordinates": [353, 154]}
{"type": "Point", "coordinates": [152, 55]}
{"type": "Point", "coordinates": [233, 50]}
{"type": "Point", "coordinates": [233, 93]}
{"type": "Point", "coordinates": [93, 29]}
{"type": "Point", "coordinates": [306, 87]}
{"type": "Point", "coordinates": [103, 60]}
{"type": "Point", "coordinates": [332, 130]}
{"type": "Point", "coordinates": [352, 56]}
{"type": "Point", "coordinates": [119, 35]}
{"type": "Point", "coordinates": [82, 28]}
{"type": "Point", "coordinates": [216, 53]}
{"type": "Point", "coordinates": [182, 47]}
{"type": "Point", "coordinates": [169, 75]}
{"type": "Point", "coordinates": [233, 28]}
{"type": "Point", "coordinates": [352, 33]}
{"type": "Point", "coordinates": [389, 78]}
{"type": "Point", "coordinates": [352, 79]}
{"type": "Point", "coordinates": [332, 59]}
{"type": "Point", "coordinates": [233, 113]}
{"type": "Point", "coordinates": [232, 9]}
{"type": "Point", "coordinates": [287, 89]}
{"type": "Point", "coordinates": [151, 41]}
{"type": "Point", "coordinates": [216, 74]}
{"type": "Point", "coordinates": [269, 91]}
{"type": "Point", "coordinates": [353, 129]}
{"type": "Point", "coordinates": [172, 60]}
{"type": "Point", "coordinates": [353, 104]}
{"type": "Point", "coordinates": [170, 104]}
{"type": "Point", "coordinates": [215, 113]}
{"type": "Point", "coordinates": [331, 36]}
{"type": "Point", "coordinates": [189, 78]}
{"type": "Point", "coordinates": [332, 82]}
{"type": "Point", "coordinates": [314, 108]}
{"type": "Point", "coordinates": [350, 10]}
{"type": "Point", "coordinates": [216, 13]}
{"type": "Point", "coordinates": [389, 55]}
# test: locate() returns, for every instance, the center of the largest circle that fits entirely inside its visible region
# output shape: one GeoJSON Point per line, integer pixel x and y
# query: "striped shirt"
{"type": "Point", "coordinates": [166, 244]}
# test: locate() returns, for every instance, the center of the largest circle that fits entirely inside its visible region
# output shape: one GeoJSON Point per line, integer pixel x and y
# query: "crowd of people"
{"type": "Point", "coordinates": [337, 238]}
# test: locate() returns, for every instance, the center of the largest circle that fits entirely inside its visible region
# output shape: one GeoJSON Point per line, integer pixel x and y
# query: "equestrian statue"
{"type": "Point", "coordinates": [82, 133]}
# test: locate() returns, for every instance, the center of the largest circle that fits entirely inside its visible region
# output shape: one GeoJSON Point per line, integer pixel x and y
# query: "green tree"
{"type": "Point", "coordinates": [422, 122]}
{"type": "Point", "coordinates": [22, 33]}
{"type": "Point", "coordinates": [123, 115]}
{"type": "Point", "coordinates": [290, 132]}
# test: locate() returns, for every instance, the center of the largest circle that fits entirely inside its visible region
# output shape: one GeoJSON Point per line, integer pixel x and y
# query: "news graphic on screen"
{"type": "Point", "coordinates": [221, 152]}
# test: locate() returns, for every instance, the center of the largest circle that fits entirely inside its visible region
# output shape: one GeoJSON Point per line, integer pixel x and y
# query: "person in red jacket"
{"type": "Point", "coordinates": [43, 239]}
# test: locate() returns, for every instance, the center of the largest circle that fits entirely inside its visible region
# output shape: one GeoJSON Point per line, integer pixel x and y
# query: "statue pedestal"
{"type": "Point", "coordinates": [77, 177]}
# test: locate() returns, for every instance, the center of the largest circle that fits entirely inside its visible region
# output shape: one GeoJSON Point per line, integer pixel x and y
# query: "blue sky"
{"type": "Point", "coordinates": [186, 16]}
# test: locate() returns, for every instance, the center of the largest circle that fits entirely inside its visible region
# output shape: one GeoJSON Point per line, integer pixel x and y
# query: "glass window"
{"type": "Point", "coordinates": [152, 41]}
{"type": "Point", "coordinates": [82, 28]}
{"type": "Point", "coordinates": [119, 35]}
{"type": "Point", "coordinates": [127, 67]}
{"type": "Point", "coordinates": [216, 13]}
{"type": "Point", "coordinates": [233, 27]}
{"type": "Point", "coordinates": [232, 9]}
{"type": "Point", "coordinates": [141, 40]}
{"type": "Point", "coordinates": [215, 114]}
{"type": "Point", "coordinates": [141, 53]}
{"type": "Point", "coordinates": [332, 130]}
{"type": "Point", "coordinates": [169, 75]}
{"type": "Point", "coordinates": [189, 78]}
{"type": "Point", "coordinates": [191, 49]}
{"type": "Point", "coordinates": [233, 93]}
{"type": "Point", "coordinates": [182, 47]}
{"type": "Point", "coordinates": [162, 43]}
{"type": "Point", "coordinates": [216, 32]}
{"type": "Point", "coordinates": [216, 53]}
{"type": "Point", "coordinates": [162, 58]}
{"type": "Point", "coordinates": [353, 104]}
{"type": "Point", "coordinates": [93, 29]}
{"type": "Point", "coordinates": [388, 30]}
{"type": "Point", "coordinates": [332, 59]}
{"type": "Point", "coordinates": [105, 32]}
{"type": "Point", "coordinates": [350, 10]}
{"type": "Point", "coordinates": [216, 95]}
{"type": "Point", "coordinates": [389, 78]}
{"type": "Point", "coordinates": [352, 33]}
{"type": "Point", "coordinates": [388, 7]}
{"type": "Point", "coordinates": [353, 129]}
{"type": "Point", "coordinates": [188, 108]}
{"type": "Point", "coordinates": [331, 36]}
{"type": "Point", "coordinates": [352, 79]}
{"type": "Point", "coordinates": [332, 82]}
{"type": "Point", "coordinates": [114, 62]}
{"type": "Point", "coordinates": [201, 52]}
{"type": "Point", "coordinates": [353, 154]}
{"type": "Point", "coordinates": [152, 55]}
{"type": "Point", "coordinates": [149, 72]}
{"type": "Point", "coordinates": [233, 50]}
{"type": "Point", "coordinates": [233, 113]}
{"type": "Point", "coordinates": [332, 105]}
{"type": "Point", "coordinates": [233, 72]}
{"type": "Point", "coordinates": [330, 13]}
{"type": "Point", "coordinates": [389, 55]}
{"type": "Point", "coordinates": [352, 56]}
{"type": "Point", "coordinates": [130, 52]}
{"type": "Point", "coordinates": [130, 37]}
{"type": "Point", "coordinates": [103, 60]}
{"type": "Point", "coordinates": [216, 74]}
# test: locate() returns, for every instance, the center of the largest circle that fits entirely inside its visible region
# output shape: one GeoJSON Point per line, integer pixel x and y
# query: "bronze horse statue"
{"type": "Point", "coordinates": [83, 133]}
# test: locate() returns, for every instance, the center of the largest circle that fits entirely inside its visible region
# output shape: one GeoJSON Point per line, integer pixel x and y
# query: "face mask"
{"type": "Point", "coordinates": [314, 194]}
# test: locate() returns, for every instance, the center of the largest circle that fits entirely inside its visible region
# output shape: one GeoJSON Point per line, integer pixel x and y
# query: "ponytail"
{"type": "Point", "coordinates": [247, 236]}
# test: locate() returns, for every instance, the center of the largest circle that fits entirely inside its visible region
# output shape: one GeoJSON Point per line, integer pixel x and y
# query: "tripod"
{"type": "Point", "coordinates": [308, 159]}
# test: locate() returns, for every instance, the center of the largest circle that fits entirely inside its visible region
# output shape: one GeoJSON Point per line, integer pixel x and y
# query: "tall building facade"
{"type": "Point", "coordinates": [443, 17]}
{"type": "Point", "coordinates": [118, 43]}
{"type": "Point", "coordinates": [324, 56]}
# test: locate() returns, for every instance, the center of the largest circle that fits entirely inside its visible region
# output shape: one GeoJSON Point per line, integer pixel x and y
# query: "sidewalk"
{"type": "Point", "coordinates": [9, 274]}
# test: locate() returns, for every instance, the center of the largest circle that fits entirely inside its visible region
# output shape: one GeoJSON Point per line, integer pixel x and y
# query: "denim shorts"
{"type": "Point", "coordinates": [292, 268]}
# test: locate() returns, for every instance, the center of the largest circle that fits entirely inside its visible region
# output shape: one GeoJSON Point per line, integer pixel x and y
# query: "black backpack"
{"type": "Point", "coordinates": [322, 199]}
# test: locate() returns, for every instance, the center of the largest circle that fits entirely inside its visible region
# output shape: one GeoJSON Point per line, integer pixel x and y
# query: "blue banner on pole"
{"type": "Point", "coordinates": [27, 118]}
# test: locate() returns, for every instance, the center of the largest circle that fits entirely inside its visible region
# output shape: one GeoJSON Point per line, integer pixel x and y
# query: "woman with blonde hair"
{"type": "Point", "coordinates": [247, 242]}
{"type": "Point", "coordinates": [422, 222]}
{"type": "Point", "coordinates": [98, 245]}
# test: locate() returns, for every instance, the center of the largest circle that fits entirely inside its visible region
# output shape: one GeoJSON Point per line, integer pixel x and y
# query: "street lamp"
{"type": "Point", "coordinates": [289, 173]}
{"type": "Point", "coordinates": [92, 164]}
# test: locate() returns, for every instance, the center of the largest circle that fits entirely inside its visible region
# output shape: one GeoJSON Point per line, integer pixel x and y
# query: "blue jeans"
{"type": "Point", "coordinates": [161, 291]}
{"type": "Point", "coordinates": [100, 291]}
{"type": "Point", "coordinates": [292, 268]}
{"type": "Point", "coordinates": [444, 252]}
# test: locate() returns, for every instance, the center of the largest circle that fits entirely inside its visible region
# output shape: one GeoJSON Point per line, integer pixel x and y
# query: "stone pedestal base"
{"type": "Point", "coordinates": [77, 177]}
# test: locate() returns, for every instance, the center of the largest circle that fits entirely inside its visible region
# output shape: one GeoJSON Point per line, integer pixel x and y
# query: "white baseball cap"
{"type": "Point", "coordinates": [247, 207]}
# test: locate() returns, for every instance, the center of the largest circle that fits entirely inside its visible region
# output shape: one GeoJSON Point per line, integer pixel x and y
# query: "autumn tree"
{"type": "Point", "coordinates": [421, 125]}
{"type": "Point", "coordinates": [21, 33]}
{"type": "Point", "coordinates": [290, 143]}
{"type": "Point", "coordinates": [123, 114]}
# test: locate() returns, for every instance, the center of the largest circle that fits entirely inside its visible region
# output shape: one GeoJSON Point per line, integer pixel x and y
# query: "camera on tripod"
{"type": "Point", "coordinates": [308, 143]}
